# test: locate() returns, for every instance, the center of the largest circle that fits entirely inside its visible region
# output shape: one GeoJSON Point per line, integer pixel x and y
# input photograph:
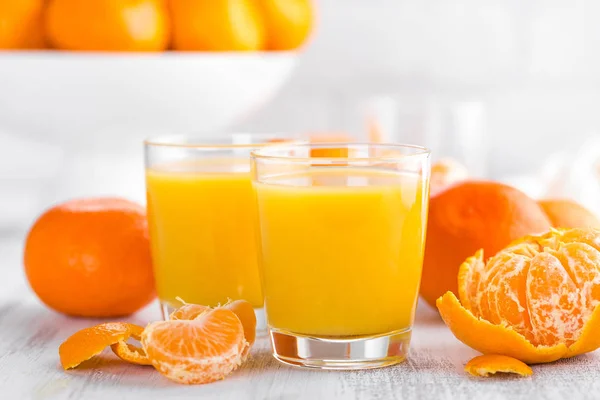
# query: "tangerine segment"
{"type": "Point", "coordinates": [490, 364]}
{"type": "Point", "coordinates": [553, 301]}
{"type": "Point", "coordinates": [89, 342]}
{"type": "Point", "coordinates": [241, 308]}
{"type": "Point", "coordinates": [589, 340]}
{"type": "Point", "coordinates": [508, 303]}
{"type": "Point", "coordinates": [469, 276]}
{"type": "Point", "coordinates": [202, 350]}
{"type": "Point", "coordinates": [487, 338]}
{"type": "Point", "coordinates": [579, 235]}
{"type": "Point", "coordinates": [245, 312]}
{"type": "Point", "coordinates": [581, 262]}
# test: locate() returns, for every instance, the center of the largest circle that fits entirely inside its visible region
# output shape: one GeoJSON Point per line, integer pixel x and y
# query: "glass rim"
{"type": "Point", "coordinates": [419, 152]}
{"type": "Point", "coordinates": [218, 141]}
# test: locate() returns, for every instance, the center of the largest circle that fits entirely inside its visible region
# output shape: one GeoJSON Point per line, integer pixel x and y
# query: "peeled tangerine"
{"type": "Point", "coordinates": [536, 300]}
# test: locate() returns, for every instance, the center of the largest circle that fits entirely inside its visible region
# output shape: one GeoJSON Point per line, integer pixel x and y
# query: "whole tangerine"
{"type": "Point", "coordinates": [91, 258]}
{"type": "Point", "coordinates": [288, 22]}
{"type": "Point", "coordinates": [21, 24]}
{"type": "Point", "coordinates": [108, 25]}
{"type": "Point", "coordinates": [216, 25]}
{"type": "Point", "coordinates": [564, 213]}
{"type": "Point", "coordinates": [469, 216]}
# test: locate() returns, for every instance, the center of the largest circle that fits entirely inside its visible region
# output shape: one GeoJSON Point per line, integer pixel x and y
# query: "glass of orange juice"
{"type": "Point", "coordinates": [341, 240]}
{"type": "Point", "coordinates": [202, 216]}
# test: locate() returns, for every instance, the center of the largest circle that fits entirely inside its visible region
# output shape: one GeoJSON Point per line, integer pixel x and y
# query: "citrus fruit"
{"type": "Point", "coordinates": [469, 216]}
{"type": "Point", "coordinates": [91, 258]}
{"type": "Point", "coordinates": [196, 351]}
{"type": "Point", "coordinates": [216, 25]}
{"type": "Point", "coordinates": [288, 22]}
{"type": "Point", "coordinates": [241, 308]}
{"type": "Point", "coordinates": [565, 213]}
{"type": "Point", "coordinates": [108, 25]}
{"type": "Point", "coordinates": [89, 342]}
{"type": "Point", "coordinates": [491, 364]}
{"type": "Point", "coordinates": [21, 24]}
{"type": "Point", "coordinates": [536, 300]}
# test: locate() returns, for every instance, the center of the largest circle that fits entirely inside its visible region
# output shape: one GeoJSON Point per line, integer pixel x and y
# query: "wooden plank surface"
{"type": "Point", "coordinates": [29, 368]}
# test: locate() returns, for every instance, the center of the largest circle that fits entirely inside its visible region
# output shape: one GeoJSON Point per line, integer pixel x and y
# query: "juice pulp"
{"type": "Point", "coordinates": [341, 250]}
{"type": "Point", "coordinates": [202, 226]}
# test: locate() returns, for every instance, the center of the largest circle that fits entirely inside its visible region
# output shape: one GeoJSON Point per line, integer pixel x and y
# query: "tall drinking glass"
{"type": "Point", "coordinates": [341, 241]}
{"type": "Point", "coordinates": [202, 216]}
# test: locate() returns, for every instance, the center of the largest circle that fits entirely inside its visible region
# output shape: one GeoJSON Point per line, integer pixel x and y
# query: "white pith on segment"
{"type": "Point", "coordinates": [187, 349]}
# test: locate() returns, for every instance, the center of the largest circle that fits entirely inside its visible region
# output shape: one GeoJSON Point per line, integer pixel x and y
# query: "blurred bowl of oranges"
{"type": "Point", "coordinates": [149, 65]}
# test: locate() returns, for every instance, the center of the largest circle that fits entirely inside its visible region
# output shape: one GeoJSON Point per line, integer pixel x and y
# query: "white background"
{"type": "Point", "coordinates": [530, 69]}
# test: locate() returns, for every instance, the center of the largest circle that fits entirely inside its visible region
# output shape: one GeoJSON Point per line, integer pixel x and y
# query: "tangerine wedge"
{"type": "Point", "coordinates": [89, 342]}
{"type": "Point", "coordinates": [241, 308]}
{"type": "Point", "coordinates": [491, 364]}
{"type": "Point", "coordinates": [196, 351]}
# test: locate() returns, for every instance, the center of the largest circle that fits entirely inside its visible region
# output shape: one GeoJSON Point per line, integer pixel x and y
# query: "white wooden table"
{"type": "Point", "coordinates": [29, 367]}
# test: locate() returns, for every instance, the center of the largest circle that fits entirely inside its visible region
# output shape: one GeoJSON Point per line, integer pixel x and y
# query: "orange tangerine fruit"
{"type": "Point", "coordinates": [89, 342]}
{"type": "Point", "coordinates": [288, 22]}
{"type": "Point", "coordinates": [245, 312]}
{"type": "Point", "coordinates": [469, 216]}
{"type": "Point", "coordinates": [21, 24]}
{"type": "Point", "coordinates": [565, 213]}
{"type": "Point", "coordinates": [491, 364]}
{"type": "Point", "coordinates": [91, 258]}
{"type": "Point", "coordinates": [201, 350]}
{"type": "Point", "coordinates": [108, 25]}
{"type": "Point", "coordinates": [216, 25]}
{"type": "Point", "coordinates": [536, 300]}
{"type": "Point", "coordinates": [241, 308]}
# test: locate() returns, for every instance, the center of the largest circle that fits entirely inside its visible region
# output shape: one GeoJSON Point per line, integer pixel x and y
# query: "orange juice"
{"type": "Point", "coordinates": [202, 227]}
{"type": "Point", "coordinates": [341, 250]}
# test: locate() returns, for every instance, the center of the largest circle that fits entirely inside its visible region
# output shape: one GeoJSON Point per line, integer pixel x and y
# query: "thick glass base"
{"type": "Point", "coordinates": [357, 352]}
{"type": "Point", "coordinates": [261, 324]}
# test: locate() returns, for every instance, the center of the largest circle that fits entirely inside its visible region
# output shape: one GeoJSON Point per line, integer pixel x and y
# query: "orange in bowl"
{"type": "Point", "coordinates": [536, 300]}
{"type": "Point", "coordinates": [91, 258]}
{"type": "Point", "coordinates": [217, 25]}
{"type": "Point", "coordinates": [288, 22]}
{"type": "Point", "coordinates": [470, 216]}
{"type": "Point", "coordinates": [108, 25]}
{"type": "Point", "coordinates": [21, 24]}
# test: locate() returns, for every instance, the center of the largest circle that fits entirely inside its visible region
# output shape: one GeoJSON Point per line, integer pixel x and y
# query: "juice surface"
{"type": "Point", "coordinates": [202, 224]}
{"type": "Point", "coordinates": [341, 250]}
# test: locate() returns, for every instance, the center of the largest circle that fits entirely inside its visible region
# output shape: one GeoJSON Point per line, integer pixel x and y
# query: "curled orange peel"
{"type": "Point", "coordinates": [89, 342]}
{"type": "Point", "coordinates": [488, 338]}
{"type": "Point", "coordinates": [491, 364]}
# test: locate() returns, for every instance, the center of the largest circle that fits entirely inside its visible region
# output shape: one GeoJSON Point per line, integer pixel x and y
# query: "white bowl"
{"type": "Point", "coordinates": [71, 95]}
